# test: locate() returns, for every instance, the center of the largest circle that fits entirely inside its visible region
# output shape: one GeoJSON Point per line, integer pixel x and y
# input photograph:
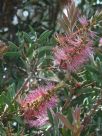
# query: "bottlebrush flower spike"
{"type": "Point", "coordinates": [83, 21]}
{"type": "Point", "coordinates": [75, 47]}
{"type": "Point", "coordinates": [73, 51]}
{"type": "Point", "coordinates": [34, 106]}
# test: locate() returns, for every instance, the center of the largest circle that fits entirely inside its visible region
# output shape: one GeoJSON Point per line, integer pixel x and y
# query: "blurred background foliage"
{"type": "Point", "coordinates": [18, 15]}
{"type": "Point", "coordinates": [26, 28]}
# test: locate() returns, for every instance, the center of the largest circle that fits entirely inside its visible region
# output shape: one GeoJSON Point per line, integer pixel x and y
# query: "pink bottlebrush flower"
{"type": "Point", "coordinates": [34, 106]}
{"type": "Point", "coordinates": [73, 52]}
{"type": "Point", "coordinates": [83, 21]}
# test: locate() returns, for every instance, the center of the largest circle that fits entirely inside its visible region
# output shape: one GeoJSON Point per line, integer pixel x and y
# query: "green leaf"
{"type": "Point", "coordinates": [10, 94]}
{"type": "Point", "coordinates": [32, 31]}
{"type": "Point", "coordinates": [65, 132]}
{"type": "Point", "coordinates": [2, 129]}
{"type": "Point", "coordinates": [30, 50]}
{"type": "Point", "coordinates": [2, 101]}
{"type": "Point", "coordinates": [47, 133]}
{"type": "Point", "coordinates": [18, 119]}
{"type": "Point", "coordinates": [27, 37]}
{"type": "Point", "coordinates": [12, 54]}
{"type": "Point", "coordinates": [92, 69]}
{"type": "Point", "coordinates": [43, 49]}
{"type": "Point", "coordinates": [11, 90]}
{"type": "Point", "coordinates": [44, 36]}
{"type": "Point", "coordinates": [12, 46]}
{"type": "Point", "coordinates": [50, 116]}
{"type": "Point", "coordinates": [90, 90]}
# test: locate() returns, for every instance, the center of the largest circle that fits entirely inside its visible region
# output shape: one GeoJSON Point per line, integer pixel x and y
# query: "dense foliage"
{"type": "Point", "coordinates": [51, 83]}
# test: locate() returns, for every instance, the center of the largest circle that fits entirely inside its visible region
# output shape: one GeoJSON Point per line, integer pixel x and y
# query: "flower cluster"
{"type": "Point", "coordinates": [74, 49]}
{"type": "Point", "coordinates": [34, 106]}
